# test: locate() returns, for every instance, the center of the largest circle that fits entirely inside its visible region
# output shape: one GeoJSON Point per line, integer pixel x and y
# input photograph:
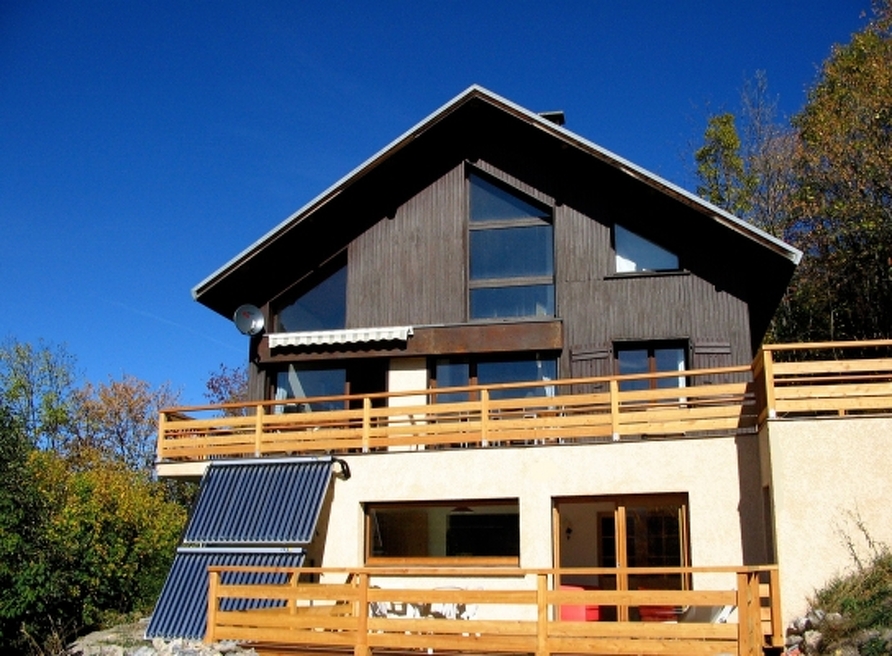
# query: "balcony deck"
{"type": "Point", "coordinates": [784, 382]}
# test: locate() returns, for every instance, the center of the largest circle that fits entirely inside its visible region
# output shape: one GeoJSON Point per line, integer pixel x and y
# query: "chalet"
{"type": "Point", "coordinates": [502, 376]}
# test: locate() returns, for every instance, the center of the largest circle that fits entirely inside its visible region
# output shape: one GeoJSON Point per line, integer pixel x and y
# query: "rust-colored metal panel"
{"type": "Point", "coordinates": [437, 340]}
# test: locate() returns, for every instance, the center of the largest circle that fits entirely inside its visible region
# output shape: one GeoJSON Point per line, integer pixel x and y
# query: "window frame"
{"type": "Point", "coordinates": [651, 346]}
{"type": "Point", "coordinates": [473, 362]}
{"type": "Point", "coordinates": [309, 284]}
{"type": "Point", "coordinates": [546, 281]}
{"type": "Point", "coordinates": [614, 241]}
{"type": "Point", "coordinates": [458, 506]}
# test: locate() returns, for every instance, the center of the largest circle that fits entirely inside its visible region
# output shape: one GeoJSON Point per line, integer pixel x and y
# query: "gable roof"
{"type": "Point", "coordinates": [250, 276]}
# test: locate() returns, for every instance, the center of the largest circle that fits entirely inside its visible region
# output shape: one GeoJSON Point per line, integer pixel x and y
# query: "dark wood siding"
{"type": "Point", "coordinates": [410, 270]}
{"type": "Point", "coordinates": [600, 308]}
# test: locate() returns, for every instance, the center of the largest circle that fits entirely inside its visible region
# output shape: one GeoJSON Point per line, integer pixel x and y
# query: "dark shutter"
{"type": "Point", "coordinates": [589, 362]}
{"type": "Point", "coordinates": [711, 355]}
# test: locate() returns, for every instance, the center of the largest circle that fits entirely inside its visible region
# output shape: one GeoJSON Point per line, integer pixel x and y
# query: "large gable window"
{"type": "Point", "coordinates": [634, 253]}
{"type": "Point", "coordinates": [511, 254]}
{"type": "Point", "coordinates": [322, 307]}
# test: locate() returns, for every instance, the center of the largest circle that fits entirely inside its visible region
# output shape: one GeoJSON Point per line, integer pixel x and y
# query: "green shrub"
{"type": "Point", "coordinates": [862, 598]}
{"type": "Point", "coordinates": [101, 548]}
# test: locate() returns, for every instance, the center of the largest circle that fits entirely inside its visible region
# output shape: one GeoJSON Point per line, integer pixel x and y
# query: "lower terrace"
{"type": "Point", "coordinates": [785, 381]}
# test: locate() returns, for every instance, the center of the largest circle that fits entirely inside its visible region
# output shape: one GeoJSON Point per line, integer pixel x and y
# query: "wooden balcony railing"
{"type": "Point", "coordinates": [550, 412]}
{"type": "Point", "coordinates": [496, 611]}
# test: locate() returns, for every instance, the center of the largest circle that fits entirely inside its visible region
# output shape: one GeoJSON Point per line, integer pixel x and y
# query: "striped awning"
{"type": "Point", "coordinates": [181, 611]}
{"type": "Point", "coordinates": [346, 336]}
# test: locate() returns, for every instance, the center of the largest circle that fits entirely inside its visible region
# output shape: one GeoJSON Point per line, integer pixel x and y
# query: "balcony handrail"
{"type": "Point", "coordinates": [468, 389]}
{"type": "Point", "coordinates": [560, 411]}
{"type": "Point", "coordinates": [493, 609]}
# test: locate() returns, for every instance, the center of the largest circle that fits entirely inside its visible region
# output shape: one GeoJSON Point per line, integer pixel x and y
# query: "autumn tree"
{"type": "Point", "coordinates": [227, 385]}
{"type": "Point", "coordinates": [119, 419]}
{"type": "Point", "coordinates": [844, 205]}
{"type": "Point", "coordinates": [823, 184]}
{"type": "Point", "coordinates": [724, 180]}
{"type": "Point", "coordinates": [86, 534]}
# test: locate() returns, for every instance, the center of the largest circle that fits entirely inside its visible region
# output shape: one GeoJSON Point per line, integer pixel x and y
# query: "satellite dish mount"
{"type": "Point", "coordinates": [249, 320]}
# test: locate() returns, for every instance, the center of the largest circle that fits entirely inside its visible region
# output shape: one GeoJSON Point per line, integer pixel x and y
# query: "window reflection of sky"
{"type": "Point", "coordinates": [324, 307]}
{"type": "Point", "coordinates": [635, 253]}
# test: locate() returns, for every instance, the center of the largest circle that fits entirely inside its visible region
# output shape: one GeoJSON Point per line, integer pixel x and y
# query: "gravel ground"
{"type": "Point", "coordinates": [128, 640]}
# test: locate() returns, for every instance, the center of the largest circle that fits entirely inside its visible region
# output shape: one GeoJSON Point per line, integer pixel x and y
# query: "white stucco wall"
{"type": "Point", "coordinates": [705, 469]}
{"type": "Point", "coordinates": [826, 473]}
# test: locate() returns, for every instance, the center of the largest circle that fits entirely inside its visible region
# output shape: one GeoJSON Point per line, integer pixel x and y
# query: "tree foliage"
{"type": "Point", "coordinates": [86, 533]}
{"type": "Point", "coordinates": [844, 202]}
{"type": "Point", "coordinates": [120, 419]}
{"type": "Point", "coordinates": [36, 384]}
{"type": "Point", "coordinates": [228, 385]}
{"type": "Point", "coordinates": [823, 184]}
{"type": "Point", "coordinates": [720, 167]}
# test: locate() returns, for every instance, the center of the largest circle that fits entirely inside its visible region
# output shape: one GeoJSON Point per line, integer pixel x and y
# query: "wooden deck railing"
{"type": "Point", "coordinates": [814, 382]}
{"type": "Point", "coordinates": [551, 412]}
{"type": "Point", "coordinates": [497, 611]}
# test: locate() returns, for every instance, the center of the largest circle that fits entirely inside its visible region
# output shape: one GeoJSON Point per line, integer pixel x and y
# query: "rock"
{"type": "Point", "coordinates": [813, 640]}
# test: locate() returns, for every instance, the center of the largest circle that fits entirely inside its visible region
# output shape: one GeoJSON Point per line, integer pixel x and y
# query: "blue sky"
{"type": "Point", "coordinates": [144, 144]}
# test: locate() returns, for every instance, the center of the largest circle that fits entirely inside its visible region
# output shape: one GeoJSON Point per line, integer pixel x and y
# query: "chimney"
{"type": "Point", "coordinates": [556, 117]}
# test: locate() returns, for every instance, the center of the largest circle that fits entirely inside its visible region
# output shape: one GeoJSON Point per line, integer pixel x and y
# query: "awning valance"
{"type": "Point", "coordinates": [346, 336]}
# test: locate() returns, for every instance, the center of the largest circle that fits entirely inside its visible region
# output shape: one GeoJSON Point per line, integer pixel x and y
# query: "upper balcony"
{"type": "Point", "coordinates": [784, 381]}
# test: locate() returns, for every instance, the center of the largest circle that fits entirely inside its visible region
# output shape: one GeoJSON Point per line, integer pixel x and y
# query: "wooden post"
{"type": "Point", "coordinates": [361, 648]}
{"type": "Point", "coordinates": [292, 605]}
{"type": "Point", "coordinates": [162, 429]}
{"type": "Point", "coordinates": [768, 372]}
{"type": "Point", "coordinates": [542, 615]}
{"type": "Point", "coordinates": [777, 629]}
{"type": "Point", "coordinates": [210, 629]}
{"type": "Point", "coordinates": [258, 429]}
{"type": "Point", "coordinates": [366, 423]}
{"type": "Point", "coordinates": [614, 408]}
{"type": "Point", "coordinates": [484, 416]}
{"type": "Point", "coordinates": [748, 615]}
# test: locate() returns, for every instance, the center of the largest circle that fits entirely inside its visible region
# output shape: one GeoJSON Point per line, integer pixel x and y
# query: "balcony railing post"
{"type": "Point", "coordinates": [361, 647]}
{"type": "Point", "coordinates": [614, 408]}
{"type": "Point", "coordinates": [542, 614]}
{"type": "Point", "coordinates": [258, 430]}
{"type": "Point", "coordinates": [213, 583]}
{"type": "Point", "coordinates": [484, 416]}
{"type": "Point", "coordinates": [366, 423]}
{"type": "Point", "coordinates": [768, 373]}
{"type": "Point", "coordinates": [162, 429]}
{"type": "Point", "coordinates": [748, 614]}
{"type": "Point", "coordinates": [777, 628]}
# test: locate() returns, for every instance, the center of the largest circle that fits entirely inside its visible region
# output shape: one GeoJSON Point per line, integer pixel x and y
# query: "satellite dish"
{"type": "Point", "coordinates": [249, 320]}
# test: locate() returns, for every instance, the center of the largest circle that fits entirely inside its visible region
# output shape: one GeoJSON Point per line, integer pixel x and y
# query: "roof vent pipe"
{"type": "Point", "coordinates": [555, 117]}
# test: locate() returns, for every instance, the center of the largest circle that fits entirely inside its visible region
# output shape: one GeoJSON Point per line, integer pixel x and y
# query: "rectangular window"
{"type": "Point", "coordinates": [479, 532]}
{"type": "Point", "coordinates": [451, 372]}
{"type": "Point", "coordinates": [648, 358]}
{"type": "Point", "coordinates": [300, 381]}
{"type": "Point", "coordinates": [637, 254]}
{"type": "Point", "coordinates": [511, 254]}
